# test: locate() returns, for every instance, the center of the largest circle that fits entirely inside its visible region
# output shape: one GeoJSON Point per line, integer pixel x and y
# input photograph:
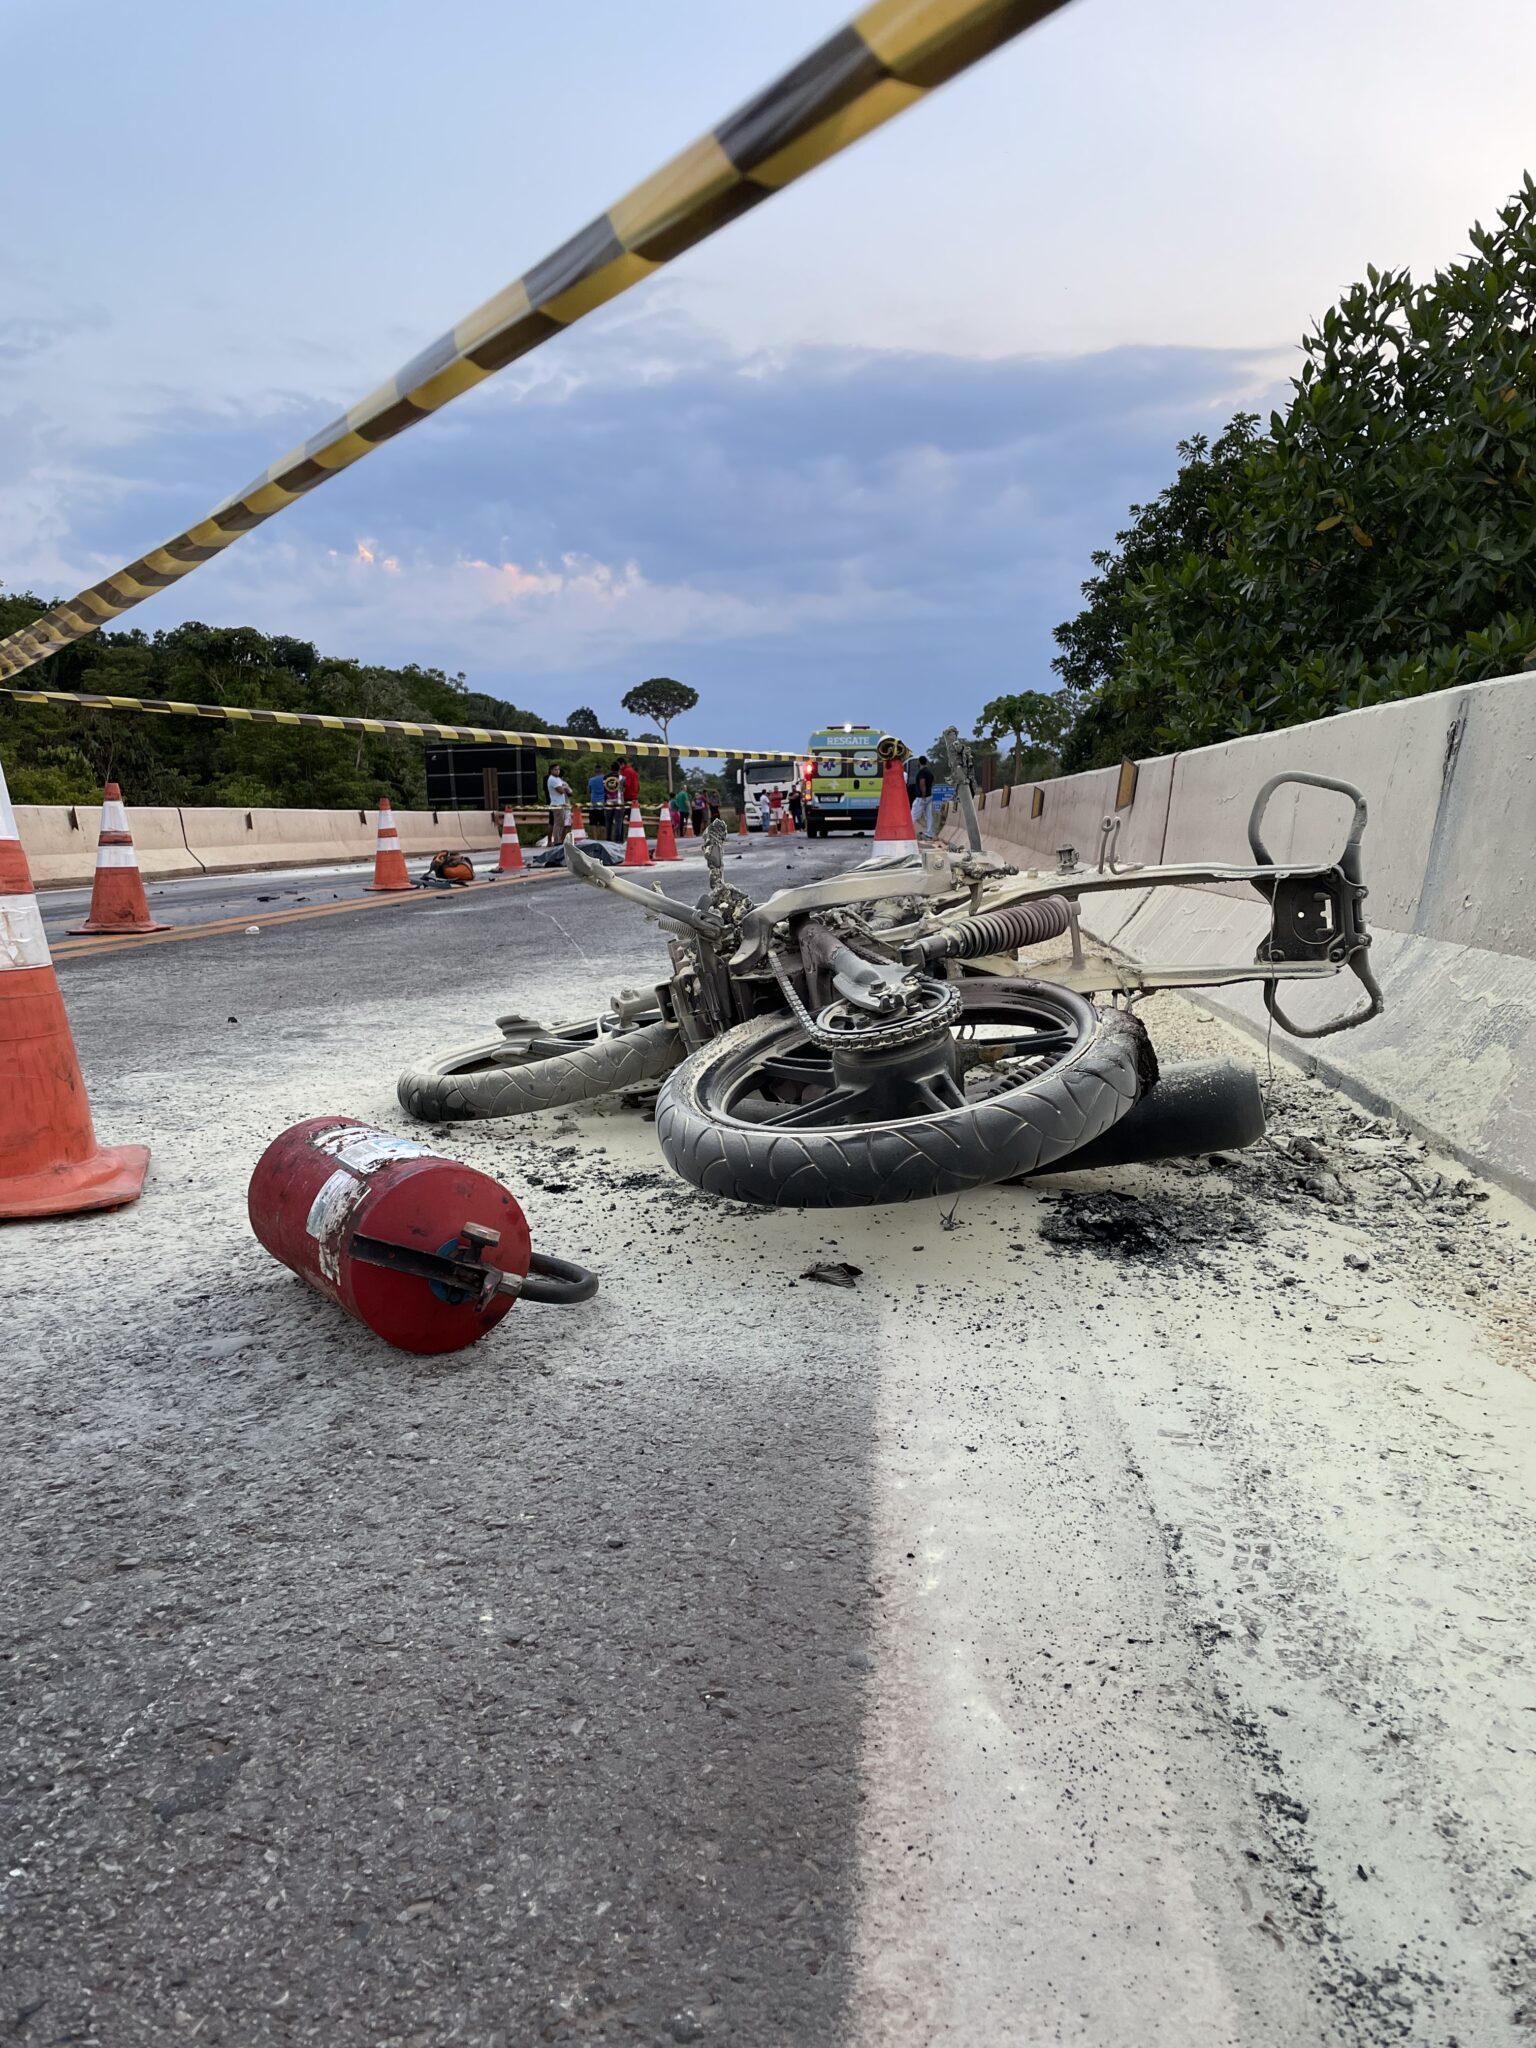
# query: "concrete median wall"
{"type": "Point", "coordinates": [60, 842]}
{"type": "Point", "coordinates": [60, 839]}
{"type": "Point", "coordinates": [1450, 858]}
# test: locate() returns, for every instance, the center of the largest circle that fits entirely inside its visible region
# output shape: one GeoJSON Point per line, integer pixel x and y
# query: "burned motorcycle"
{"type": "Point", "coordinates": [869, 1038]}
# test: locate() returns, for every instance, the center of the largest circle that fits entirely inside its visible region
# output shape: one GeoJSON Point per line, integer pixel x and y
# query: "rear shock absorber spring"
{"type": "Point", "coordinates": [995, 931]}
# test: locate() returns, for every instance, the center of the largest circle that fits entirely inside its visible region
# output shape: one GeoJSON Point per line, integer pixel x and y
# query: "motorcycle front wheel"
{"type": "Point", "coordinates": [1029, 1074]}
{"type": "Point", "coordinates": [532, 1067]}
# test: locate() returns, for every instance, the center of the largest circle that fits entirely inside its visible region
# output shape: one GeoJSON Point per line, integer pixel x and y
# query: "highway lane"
{"type": "Point", "coordinates": [186, 901]}
{"type": "Point", "coordinates": [1107, 1622]}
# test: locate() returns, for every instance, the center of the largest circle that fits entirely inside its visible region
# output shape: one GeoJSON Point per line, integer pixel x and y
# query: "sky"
{"type": "Point", "coordinates": [847, 460]}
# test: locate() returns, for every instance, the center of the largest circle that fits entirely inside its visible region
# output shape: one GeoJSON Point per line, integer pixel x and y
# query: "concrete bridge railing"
{"type": "Point", "coordinates": [1450, 857]}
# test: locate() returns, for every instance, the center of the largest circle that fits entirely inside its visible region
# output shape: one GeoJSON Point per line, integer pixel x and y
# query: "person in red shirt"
{"type": "Point", "coordinates": [629, 775]}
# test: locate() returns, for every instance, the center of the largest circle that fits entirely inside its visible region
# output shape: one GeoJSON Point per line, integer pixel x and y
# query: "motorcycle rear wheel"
{"type": "Point", "coordinates": [715, 1116]}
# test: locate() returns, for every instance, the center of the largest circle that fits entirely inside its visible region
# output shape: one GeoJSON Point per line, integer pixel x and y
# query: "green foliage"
{"type": "Point", "coordinates": [661, 699]}
{"type": "Point", "coordinates": [54, 775]}
{"type": "Point", "coordinates": [1378, 542]}
{"type": "Point", "coordinates": [64, 756]}
{"type": "Point", "coordinates": [585, 723]}
{"type": "Point", "coordinates": [1035, 720]}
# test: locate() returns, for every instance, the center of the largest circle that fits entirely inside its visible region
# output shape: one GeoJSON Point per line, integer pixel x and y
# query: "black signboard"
{"type": "Point", "coordinates": [482, 778]}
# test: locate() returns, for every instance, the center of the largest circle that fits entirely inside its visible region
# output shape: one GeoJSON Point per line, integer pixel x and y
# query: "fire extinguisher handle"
{"type": "Point", "coordinates": [557, 1281]}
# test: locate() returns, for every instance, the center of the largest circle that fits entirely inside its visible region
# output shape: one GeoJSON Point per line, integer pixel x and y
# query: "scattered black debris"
{"type": "Point", "coordinates": [1177, 1230]}
{"type": "Point", "coordinates": [835, 1273]}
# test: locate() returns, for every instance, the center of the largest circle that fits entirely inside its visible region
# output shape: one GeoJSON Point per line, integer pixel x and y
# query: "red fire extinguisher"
{"type": "Point", "coordinates": [428, 1253]}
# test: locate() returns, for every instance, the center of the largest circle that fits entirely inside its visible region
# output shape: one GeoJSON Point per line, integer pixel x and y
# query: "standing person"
{"type": "Point", "coordinates": [775, 808]}
{"type": "Point", "coordinates": [629, 775]}
{"type": "Point", "coordinates": [699, 812]}
{"type": "Point", "coordinates": [712, 803]}
{"type": "Point", "coordinates": [677, 803]}
{"type": "Point", "coordinates": [613, 799]}
{"type": "Point", "coordinates": [797, 809]}
{"type": "Point", "coordinates": [922, 798]}
{"type": "Point", "coordinates": [559, 805]}
{"type": "Point", "coordinates": [597, 804]}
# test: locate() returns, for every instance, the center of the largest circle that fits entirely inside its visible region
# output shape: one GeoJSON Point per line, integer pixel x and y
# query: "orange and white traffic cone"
{"type": "Point", "coordinates": [50, 1163]}
{"type": "Point", "coordinates": [741, 820]}
{"type": "Point", "coordinates": [118, 902]}
{"type": "Point", "coordinates": [511, 861]}
{"type": "Point", "coordinates": [388, 861]}
{"type": "Point", "coordinates": [636, 853]}
{"type": "Point", "coordinates": [894, 837]}
{"type": "Point", "coordinates": [576, 830]}
{"type": "Point", "coordinates": [666, 838]}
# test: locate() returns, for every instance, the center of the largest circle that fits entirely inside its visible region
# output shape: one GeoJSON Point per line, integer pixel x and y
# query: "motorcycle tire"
{"type": "Point", "coordinates": [993, 1140]}
{"type": "Point", "coordinates": [500, 1077]}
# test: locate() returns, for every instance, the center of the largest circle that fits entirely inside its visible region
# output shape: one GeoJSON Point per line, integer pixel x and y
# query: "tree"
{"type": "Point", "coordinates": [1378, 542]}
{"type": "Point", "coordinates": [584, 722]}
{"type": "Point", "coordinates": [661, 699]}
{"type": "Point", "coordinates": [1037, 722]}
{"type": "Point", "coordinates": [1177, 523]}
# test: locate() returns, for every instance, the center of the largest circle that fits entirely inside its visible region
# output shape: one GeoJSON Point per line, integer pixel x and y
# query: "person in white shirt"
{"type": "Point", "coordinates": [559, 807]}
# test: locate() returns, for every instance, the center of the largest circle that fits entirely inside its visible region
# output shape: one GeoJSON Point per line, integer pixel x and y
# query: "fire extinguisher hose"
{"type": "Point", "coordinates": [557, 1281]}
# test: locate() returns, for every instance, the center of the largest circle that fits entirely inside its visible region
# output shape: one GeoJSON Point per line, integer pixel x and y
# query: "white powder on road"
{"type": "Point", "coordinates": [1198, 1705]}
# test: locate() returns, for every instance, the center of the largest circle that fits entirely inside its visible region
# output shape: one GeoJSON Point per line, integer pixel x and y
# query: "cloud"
{"type": "Point", "coordinates": [804, 533]}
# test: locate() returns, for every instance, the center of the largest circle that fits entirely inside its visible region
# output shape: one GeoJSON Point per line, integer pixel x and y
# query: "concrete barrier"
{"type": "Point", "coordinates": [60, 839]}
{"type": "Point", "coordinates": [228, 841]}
{"type": "Point", "coordinates": [60, 842]}
{"type": "Point", "coordinates": [481, 832]}
{"type": "Point", "coordinates": [1450, 859]}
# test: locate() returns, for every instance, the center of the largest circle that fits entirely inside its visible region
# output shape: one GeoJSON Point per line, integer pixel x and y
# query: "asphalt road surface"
{"type": "Point", "coordinates": [193, 900]}
{"type": "Point", "coordinates": [1106, 1623]}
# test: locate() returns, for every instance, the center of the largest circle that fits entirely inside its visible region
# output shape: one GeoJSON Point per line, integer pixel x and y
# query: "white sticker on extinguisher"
{"type": "Point", "coordinates": [363, 1150]}
{"type": "Point", "coordinates": [328, 1217]}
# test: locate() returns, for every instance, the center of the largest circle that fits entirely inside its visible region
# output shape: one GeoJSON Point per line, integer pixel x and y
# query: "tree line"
{"type": "Point", "coordinates": [1377, 540]}
{"type": "Point", "coordinates": [55, 755]}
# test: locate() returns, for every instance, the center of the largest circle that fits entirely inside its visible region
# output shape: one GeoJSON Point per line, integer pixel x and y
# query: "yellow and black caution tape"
{"type": "Point", "coordinates": [889, 56]}
{"type": "Point", "coordinates": [408, 728]}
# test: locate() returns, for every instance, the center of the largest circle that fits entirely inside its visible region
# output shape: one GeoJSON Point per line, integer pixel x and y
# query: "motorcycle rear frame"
{"type": "Point", "coordinates": [1317, 919]}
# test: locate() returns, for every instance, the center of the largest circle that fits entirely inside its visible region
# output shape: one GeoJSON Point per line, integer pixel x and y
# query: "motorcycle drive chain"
{"type": "Point", "coordinates": [877, 1036]}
